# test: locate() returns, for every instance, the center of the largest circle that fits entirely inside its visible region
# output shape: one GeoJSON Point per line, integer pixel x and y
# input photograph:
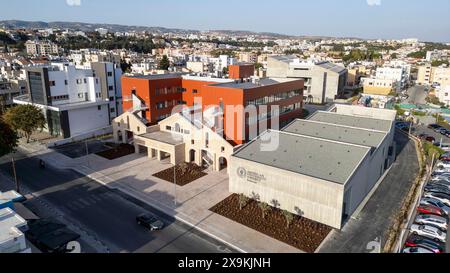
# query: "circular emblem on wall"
{"type": "Point", "coordinates": [241, 172]}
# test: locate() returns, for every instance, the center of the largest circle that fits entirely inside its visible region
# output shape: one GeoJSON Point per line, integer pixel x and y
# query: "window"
{"type": "Point", "coordinates": [99, 107]}
{"type": "Point", "coordinates": [113, 110]}
{"type": "Point", "coordinates": [85, 80]}
{"type": "Point", "coordinates": [66, 82]}
{"type": "Point", "coordinates": [110, 88]}
{"type": "Point", "coordinates": [110, 74]}
{"type": "Point", "coordinates": [192, 142]}
{"type": "Point", "coordinates": [138, 129]}
{"type": "Point", "coordinates": [168, 128]}
{"type": "Point", "coordinates": [111, 98]}
{"type": "Point", "coordinates": [52, 83]}
{"type": "Point", "coordinates": [194, 91]}
{"type": "Point", "coordinates": [80, 95]}
{"type": "Point", "coordinates": [222, 149]}
{"type": "Point", "coordinates": [79, 81]}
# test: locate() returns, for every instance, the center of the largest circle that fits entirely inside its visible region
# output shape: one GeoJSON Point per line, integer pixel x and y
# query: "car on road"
{"type": "Point", "coordinates": [430, 209]}
{"type": "Point", "coordinates": [444, 198]}
{"type": "Point", "coordinates": [421, 241]}
{"type": "Point", "coordinates": [419, 250]}
{"type": "Point", "coordinates": [429, 231]}
{"type": "Point", "coordinates": [149, 221]}
{"type": "Point", "coordinates": [432, 220]}
{"type": "Point", "coordinates": [436, 203]}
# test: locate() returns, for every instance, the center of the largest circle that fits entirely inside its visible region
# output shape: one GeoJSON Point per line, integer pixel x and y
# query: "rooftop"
{"type": "Point", "coordinates": [301, 154]}
{"type": "Point", "coordinates": [9, 224]}
{"type": "Point", "coordinates": [249, 84]}
{"type": "Point", "coordinates": [352, 121]}
{"type": "Point", "coordinates": [156, 76]}
{"type": "Point", "coordinates": [165, 137]}
{"type": "Point", "coordinates": [336, 132]}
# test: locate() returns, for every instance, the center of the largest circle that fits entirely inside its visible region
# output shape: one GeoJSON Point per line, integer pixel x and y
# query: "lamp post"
{"type": "Point", "coordinates": [175, 184]}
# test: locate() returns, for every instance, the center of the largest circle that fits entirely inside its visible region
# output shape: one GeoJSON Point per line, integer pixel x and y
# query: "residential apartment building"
{"type": "Point", "coordinates": [12, 228]}
{"type": "Point", "coordinates": [157, 95]}
{"type": "Point", "coordinates": [85, 56]}
{"type": "Point", "coordinates": [71, 99]}
{"type": "Point", "coordinates": [41, 48]}
{"type": "Point", "coordinates": [324, 81]}
{"type": "Point", "coordinates": [9, 89]}
{"type": "Point", "coordinates": [323, 168]}
{"type": "Point", "coordinates": [400, 74]}
{"type": "Point", "coordinates": [443, 94]}
{"type": "Point", "coordinates": [248, 57]}
{"type": "Point", "coordinates": [429, 75]}
{"type": "Point", "coordinates": [110, 77]}
{"type": "Point", "coordinates": [376, 86]}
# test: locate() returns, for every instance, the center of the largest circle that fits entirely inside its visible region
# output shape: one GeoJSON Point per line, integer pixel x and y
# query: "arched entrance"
{"type": "Point", "coordinates": [119, 136]}
{"type": "Point", "coordinates": [223, 163]}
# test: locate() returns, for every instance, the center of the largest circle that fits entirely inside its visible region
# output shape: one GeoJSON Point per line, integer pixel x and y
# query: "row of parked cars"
{"type": "Point", "coordinates": [439, 129]}
{"type": "Point", "coordinates": [429, 231]}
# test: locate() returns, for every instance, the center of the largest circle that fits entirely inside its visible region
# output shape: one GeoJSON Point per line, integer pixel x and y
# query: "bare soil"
{"type": "Point", "coordinates": [302, 233]}
{"type": "Point", "coordinates": [117, 152]}
{"type": "Point", "coordinates": [185, 173]}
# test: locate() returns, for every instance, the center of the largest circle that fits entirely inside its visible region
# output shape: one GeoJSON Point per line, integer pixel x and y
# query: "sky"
{"type": "Point", "coordinates": [427, 20]}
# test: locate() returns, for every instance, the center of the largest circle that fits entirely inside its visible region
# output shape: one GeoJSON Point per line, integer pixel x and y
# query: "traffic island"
{"type": "Point", "coordinates": [185, 173]}
{"type": "Point", "coordinates": [299, 232]}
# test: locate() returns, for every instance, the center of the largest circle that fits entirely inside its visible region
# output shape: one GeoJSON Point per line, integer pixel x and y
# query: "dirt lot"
{"type": "Point", "coordinates": [302, 233]}
{"type": "Point", "coordinates": [185, 173]}
{"type": "Point", "coordinates": [117, 152]}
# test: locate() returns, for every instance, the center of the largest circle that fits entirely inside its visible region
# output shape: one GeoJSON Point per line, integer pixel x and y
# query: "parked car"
{"type": "Point", "coordinates": [430, 209]}
{"type": "Point", "coordinates": [430, 139]}
{"type": "Point", "coordinates": [439, 183]}
{"type": "Point", "coordinates": [436, 189]}
{"type": "Point", "coordinates": [441, 178]}
{"type": "Point", "coordinates": [429, 231]}
{"type": "Point", "coordinates": [419, 250]}
{"type": "Point", "coordinates": [443, 131]}
{"type": "Point", "coordinates": [444, 198]}
{"type": "Point", "coordinates": [445, 157]}
{"type": "Point", "coordinates": [149, 221]}
{"type": "Point", "coordinates": [434, 126]}
{"type": "Point", "coordinates": [421, 241]}
{"type": "Point", "coordinates": [432, 220]}
{"type": "Point", "coordinates": [436, 203]}
{"type": "Point", "coordinates": [443, 164]}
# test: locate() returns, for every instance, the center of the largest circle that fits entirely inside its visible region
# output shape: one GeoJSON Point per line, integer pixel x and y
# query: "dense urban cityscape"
{"type": "Point", "coordinates": [221, 141]}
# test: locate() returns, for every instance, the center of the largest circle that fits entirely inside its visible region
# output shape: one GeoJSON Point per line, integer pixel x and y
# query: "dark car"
{"type": "Point", "coordinates": [437, 189]}
{"type": "Point", "coordinates": [430, 139]}
{"type": "Point", "coordinates": [150, 222]}
{"type": "Point", "coordinates": [420, 241]}
{"type": "Point", "coordinates": [434, 126]}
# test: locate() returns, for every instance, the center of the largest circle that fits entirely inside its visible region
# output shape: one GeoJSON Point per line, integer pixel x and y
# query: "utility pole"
{"type": "Point", "coordinates": [15, 174]}
{"type": "Point", "coordinates": [87, 152]}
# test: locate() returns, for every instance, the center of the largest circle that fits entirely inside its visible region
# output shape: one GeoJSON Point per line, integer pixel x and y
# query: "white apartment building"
{"type": "Point", "coordinates": [399, 74]}
{"type": "Point", "coordinates": [70, 98]}
{"type": "Point", "coordinates": [377, 86]}
{"type": "Point", "coordinates": [443, 94]}
{"type": "Point", "coordinates": [429, 75]}
{"type": "Point", "coordinates": [41, 48]}
{"type": "Point", "coordinates": [110, 77]}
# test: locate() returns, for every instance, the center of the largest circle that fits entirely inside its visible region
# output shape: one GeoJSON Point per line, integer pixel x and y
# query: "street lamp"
{"type": "Point", "coordinates": [175, 184]}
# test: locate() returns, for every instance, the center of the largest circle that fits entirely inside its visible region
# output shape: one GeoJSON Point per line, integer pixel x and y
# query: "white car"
{"type": "Point", "coordinates": [432, 220]}
{"type": "Point", "coordinates": [441, 178]}
{"type": "Point", "coordinates": [417, 250]}
{"type": "Point", "coordinates": [445, 165]}
{"type": "Point", "coordinates": [444, 198]}
{"type": "Point", "coordinates": [429, 232]}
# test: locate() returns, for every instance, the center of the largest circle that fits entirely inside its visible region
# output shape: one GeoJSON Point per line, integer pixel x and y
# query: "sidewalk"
{"type": "Point", "coordinates": [133, 176]}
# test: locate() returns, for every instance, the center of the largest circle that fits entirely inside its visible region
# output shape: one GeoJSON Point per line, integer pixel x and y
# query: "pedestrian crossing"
{"type": "Point", "coordinates": [89, 201]}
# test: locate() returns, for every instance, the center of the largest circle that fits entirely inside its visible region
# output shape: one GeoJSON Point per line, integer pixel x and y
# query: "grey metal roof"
{"type": "Point", "coordinates": [319, 158]}
{"type": "Point", "coordinates": [332, 67]}
{"type": "Point", "coordinates": [250, 85]}
{"type": "Point", "coordinates": [165, 137]}
{"type": "Point", "coordinates": [336, 132]}
{"type": "Point", "coordinates": [353, 121]}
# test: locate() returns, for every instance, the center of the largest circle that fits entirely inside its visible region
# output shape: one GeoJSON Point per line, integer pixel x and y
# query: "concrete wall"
{"type": "Point", "coordinates": [83, 120]}
{"type": "Point", "coordinates": [312, 198]}
{"type": "Point", "coordinates": [365, 112]}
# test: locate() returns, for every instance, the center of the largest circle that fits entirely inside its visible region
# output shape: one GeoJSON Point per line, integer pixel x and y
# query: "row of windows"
{"type": "Point", "coordinates": [62, 97]}
{"type": "Point", "coordinates": [169, 90]}
{"type": "Point", "coordinates": [162, 117]}
{"type": "Point", "coordinates": [78, 81]}
{"type": "Point", "coordinates": [268, 115]}
{"type": "Point", "coordinates": [275, 98]}
{"type": "Point", "coordinates": [167, 104]}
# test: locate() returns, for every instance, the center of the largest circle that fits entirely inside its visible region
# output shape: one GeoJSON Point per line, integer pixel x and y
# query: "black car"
{"type": "Point", "coordinates": [434, 126]}
{"type": "Point", "coordinates": [437, 189]}
{"type": "Point", "coordinates": [421, 241]}
{"type": "Point", "coordinates": [150, 222]}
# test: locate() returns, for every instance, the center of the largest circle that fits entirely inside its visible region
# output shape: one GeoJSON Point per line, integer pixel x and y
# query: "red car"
{"type": "Point", "coordinates": [430, 139]}
{"type": "Point", "coordinates": [429, 209]}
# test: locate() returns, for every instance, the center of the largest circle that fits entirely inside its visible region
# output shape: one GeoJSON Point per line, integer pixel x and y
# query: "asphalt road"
{"type": "Point", "coordinates": [107, 217]}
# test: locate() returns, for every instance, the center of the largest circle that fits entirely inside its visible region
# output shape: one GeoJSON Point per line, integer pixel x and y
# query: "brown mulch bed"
{"type": "Point", "coordinates": [117, 152]}
{"type": "Point", "coordinates": [185, 173]}
{"type": "Point", "coordinates": [303, 233]}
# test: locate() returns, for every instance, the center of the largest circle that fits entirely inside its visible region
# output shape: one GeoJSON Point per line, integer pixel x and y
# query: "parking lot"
{"type": "Point", "coordinates": [80, 149]}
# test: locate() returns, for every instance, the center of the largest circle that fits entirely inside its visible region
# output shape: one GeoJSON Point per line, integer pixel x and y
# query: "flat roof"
{"type": "Point", "coordinates": [165, 137]}
{"type": "Point", "coordinates": [9, 222]}
{"type": "Point", "coordinates": [320, 158]}
{"type": "Point", "coordinates": [352, 121]}
{"type": "Point", "coordinates": [249, 85]}
{"type": "Point", "coordinates": [336, 132]}
{"type": "Point", "coordinates": [156, 76]}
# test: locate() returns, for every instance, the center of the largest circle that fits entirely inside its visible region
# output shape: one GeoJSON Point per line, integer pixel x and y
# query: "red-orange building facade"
{"type": "Point", "coordinates": [161, 93]}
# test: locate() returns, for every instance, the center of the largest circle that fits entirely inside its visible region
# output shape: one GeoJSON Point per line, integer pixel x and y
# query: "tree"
{"type": "Point", "coordinates": [289, 217]}
{"type": "Point", "coordinates": [243, 201]}
{"type": "Point", "coordinates": [8, 138]}
{"type": "Point", "coordinates": [164, 64]}
{"type": "Point", "coordinates": [25, 119]}
{"type": "Point", "coordinates": [264, 209]}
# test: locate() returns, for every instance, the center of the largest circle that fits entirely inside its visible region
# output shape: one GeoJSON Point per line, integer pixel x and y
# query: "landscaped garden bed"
{"type": "Point", "coordinates": [299, 232]}
{"type": "Point", "coordinates": [185, 173]}
{"type": "Point", "coordinates": [117, 151]}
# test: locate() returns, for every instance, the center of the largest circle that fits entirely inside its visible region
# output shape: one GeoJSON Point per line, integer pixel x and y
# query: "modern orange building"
{"type": "Point", "coordinates": [241, 71]}
{"type": "Point", "coordinates": [233, 105]}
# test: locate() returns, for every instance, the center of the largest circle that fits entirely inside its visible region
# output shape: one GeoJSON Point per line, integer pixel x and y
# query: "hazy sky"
{"type": "Point", "coordinates": [424, 19]}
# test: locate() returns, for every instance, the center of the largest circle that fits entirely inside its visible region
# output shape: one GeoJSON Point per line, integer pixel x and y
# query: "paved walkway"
{"type": "Point", "coordinates": [133, 175]}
